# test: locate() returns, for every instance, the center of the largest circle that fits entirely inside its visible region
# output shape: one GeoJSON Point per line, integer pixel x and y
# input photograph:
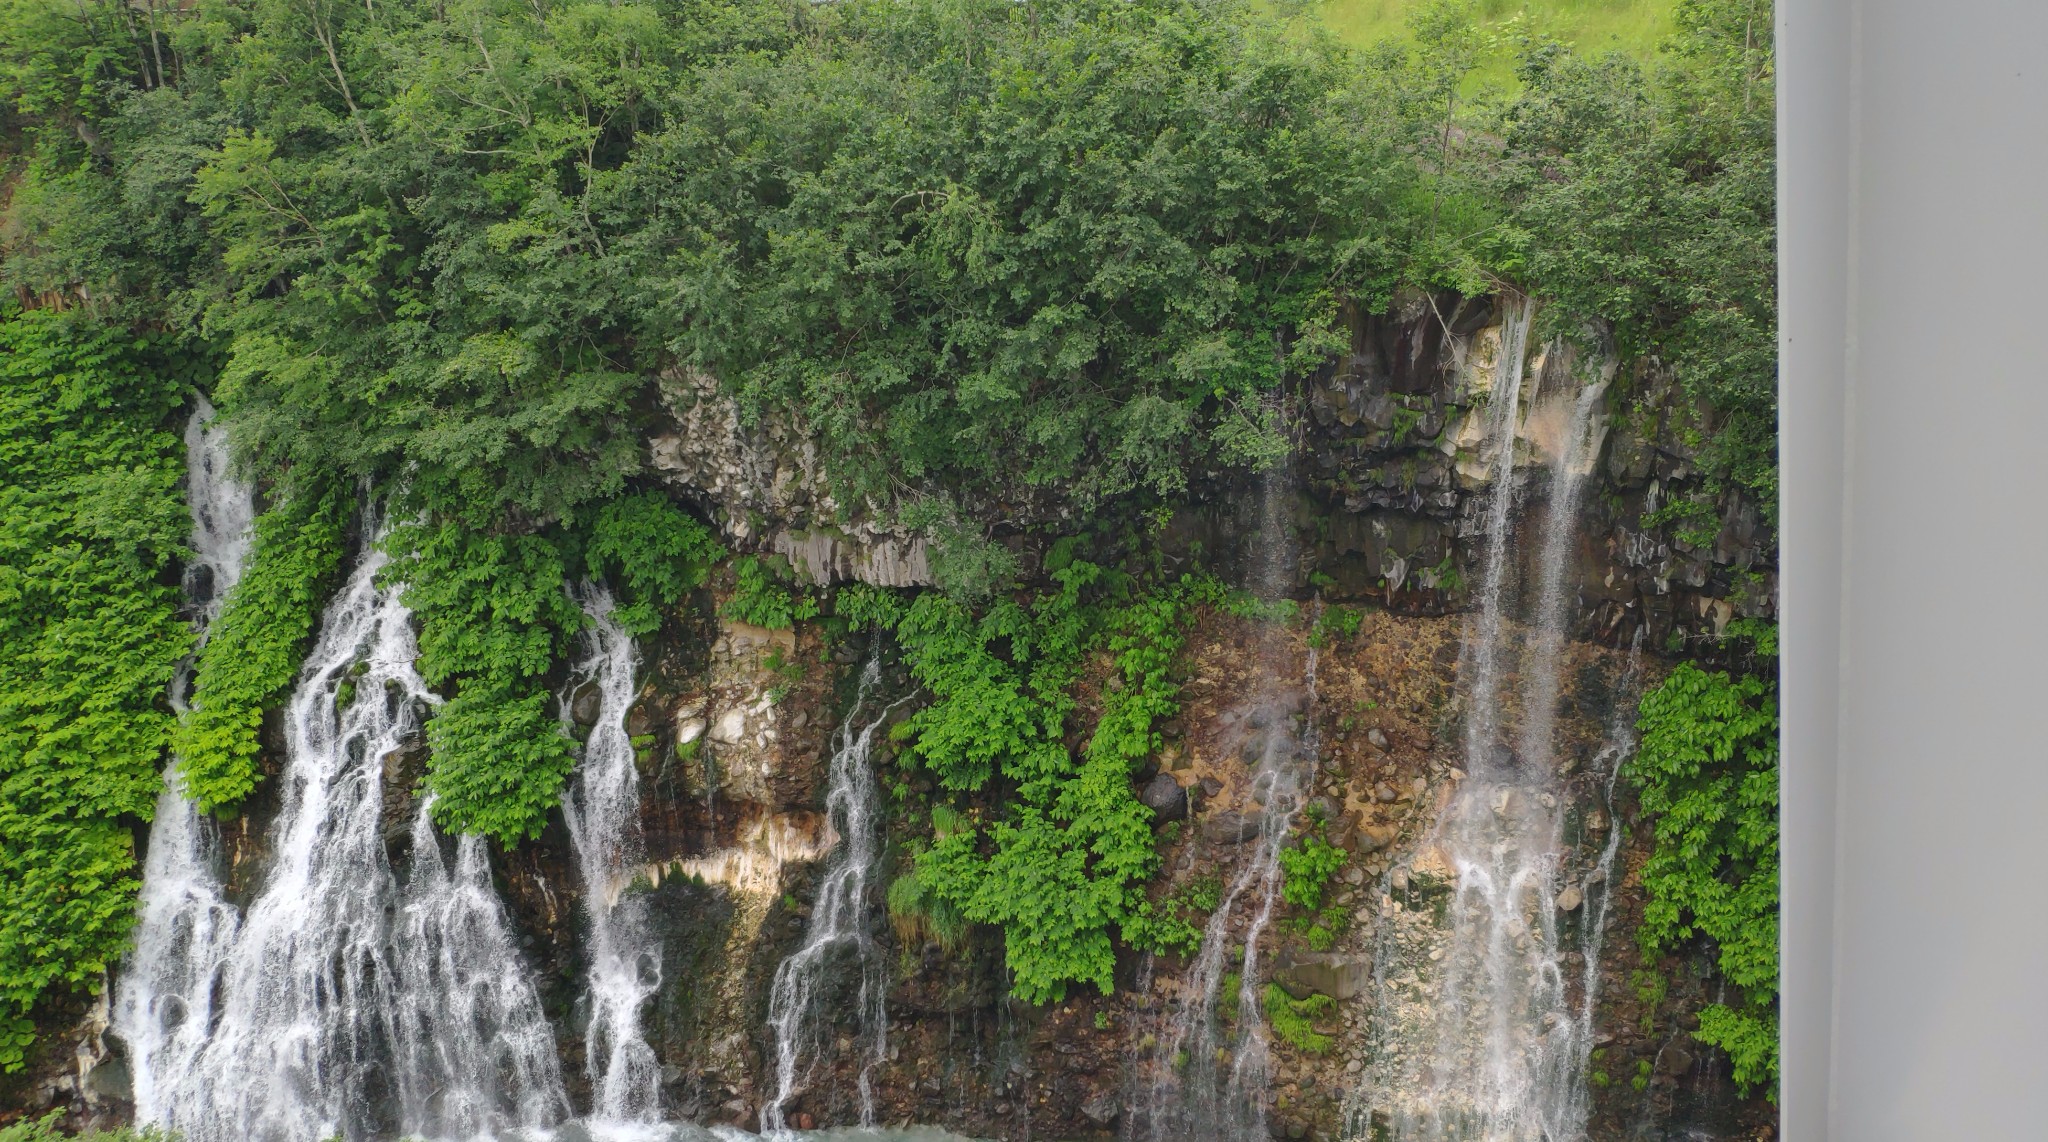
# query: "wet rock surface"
{"type": "Point", "coordinates": [734, 740]}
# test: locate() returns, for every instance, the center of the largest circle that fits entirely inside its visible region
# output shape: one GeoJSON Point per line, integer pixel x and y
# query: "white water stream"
{"type": "Point", "coordinates": [1211, 1070]}
{"type": "Point", "coordinates": [1494, 1048]}
{"type": "Point", "coordinates": [841, 927]}
{"type": "Point", "coordinates": [602, 808]}
{"type": "Point", "coordinates": [350, 1001]}
{"type": "Point", "coordinates": [163, 1004]}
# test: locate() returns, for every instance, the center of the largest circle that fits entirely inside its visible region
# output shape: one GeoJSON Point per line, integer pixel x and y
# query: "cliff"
{"type": "Point", "coordinates": [733, 727]}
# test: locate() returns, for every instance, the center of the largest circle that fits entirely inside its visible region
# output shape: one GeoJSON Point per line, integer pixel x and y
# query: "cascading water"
{"type": "Point", "coordinates": [1496, 1050]}
{"type": "Point", "coordinates": [163, 1006]}
{"type": "Point", "coordinates": [603, 812]}
{"type": "Point", "coordinates": [840, 925]}
{"type": "Point", "coordinates": [1202, 1087]}
{"type": "Point", "coordinates": [350, 1002]}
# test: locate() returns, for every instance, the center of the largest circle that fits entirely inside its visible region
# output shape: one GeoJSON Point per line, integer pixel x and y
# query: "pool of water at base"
{"type": "Point", "coordinates": [583, 1131]}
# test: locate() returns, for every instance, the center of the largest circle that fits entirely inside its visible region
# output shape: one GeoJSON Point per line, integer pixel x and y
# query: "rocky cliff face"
{"type": "Point", "coordinates": [1387, 442]}
{"type": "Point", "coordinates": [733, 724]}
{"type": "Point", "coordinates": [1391, 482]}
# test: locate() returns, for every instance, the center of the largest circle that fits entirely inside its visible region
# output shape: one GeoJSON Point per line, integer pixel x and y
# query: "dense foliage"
{"type": "Point", "coordinates": [1294, 1020]}
{"type": "Point", "coordinates": [1061, 867]}
{"type": "Point", "coordinates": [760, 598]}
{"type": "Point", "coordinates": [1707, 772]}
{"type": "Point", "coordinates": [252, 654]}
{"type": "Point", "coordinates": [651, 553]}
{"type": "Point", "coordinates": [45, 1129]}
{"type": "Point", "coordinates": [1649, 205]}
{"type": "Point", "coordinates": [495, 616]}
{"type": "Point", "coordinates": [91, 527]}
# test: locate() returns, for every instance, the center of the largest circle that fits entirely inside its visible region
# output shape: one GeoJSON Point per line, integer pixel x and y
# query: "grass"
{"type": "Point", "coordinates": [1632, 26]}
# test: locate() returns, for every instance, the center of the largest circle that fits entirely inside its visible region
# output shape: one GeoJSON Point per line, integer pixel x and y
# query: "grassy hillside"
{"type": "Point", "coordinates": [1634, 26]}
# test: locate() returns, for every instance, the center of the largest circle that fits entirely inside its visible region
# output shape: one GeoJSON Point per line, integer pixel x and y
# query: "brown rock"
{"type": "Point", "coordinates": [1674, 1060]}
{"type": "Point", "coordinates": [1229, 828]}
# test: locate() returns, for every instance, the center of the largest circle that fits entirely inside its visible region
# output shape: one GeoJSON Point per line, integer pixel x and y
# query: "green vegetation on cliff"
{"type": "Point", "coordinates": [1061, 866]}
{"type": "Point", "coordinates": [253, 652]}
{"type": "Point", "coordinates": [91, 528]}
{"type": "Point", "coordinates": [495, 615]}
{"type": "Point", "coordinates": [1707, 773]}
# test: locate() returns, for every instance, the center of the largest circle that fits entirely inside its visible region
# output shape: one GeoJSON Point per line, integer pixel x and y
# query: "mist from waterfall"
{"type": "Point", "coordinates": [163, 1003]}
{"type": "Point", "coordinates": [602, 808]}
{"type": "Point", "coordinates": [1500, 1052]}
{"type": "Point", "coordinates": [351, 1001]}
{"type": "Point", "coordinates": [1211, 1070]}
{"type": "Point", "coordinates": [841, 926]}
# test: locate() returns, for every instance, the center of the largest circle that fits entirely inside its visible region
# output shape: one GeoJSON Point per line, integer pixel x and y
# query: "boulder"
{"type": "Point", "coordinates": [1101, 1107]}
{"type": "Point", "coordinates": [110, 1079]}
{"type": "Point", "coordinates": [1164, 796]}
{"type": "Point", "coordinates": [1229, 828]}
{"type": "Point", "coordinates": [1570, 899]}
{"type": "Point", "coordinates": [1373, 838]}
{"type": "Point", "coordinates": [1256, 746]}
{"type": "Point", "coordinates": [1335, 974]}
{"type": "Point", "coordinates": [584, 706]}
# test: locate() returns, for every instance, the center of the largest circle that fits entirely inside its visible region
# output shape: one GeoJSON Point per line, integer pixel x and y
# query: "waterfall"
{"type": "Point", "coordinates": [1207, 1084]}
{"type": "Point", "coordinates": [350, 1001]}
{"type": "Point", "coordinates": [1482, 666]}
{"type": "Point", "coordinates": [603, 812]}
{"type": "Point", "coordinates": [163, 1003]}
{"type": "Point", "coordinates": [840, 924]}
{"type": "Point", "coordinates": [1497, 1050]}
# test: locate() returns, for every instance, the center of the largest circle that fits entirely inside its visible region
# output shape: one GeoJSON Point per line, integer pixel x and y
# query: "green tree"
{"type": "Point", "coordinates": [1649, 203]}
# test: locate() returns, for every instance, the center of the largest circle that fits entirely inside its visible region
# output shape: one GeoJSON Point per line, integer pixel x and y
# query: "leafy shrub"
{"type": "Point", "coordinates": [498, 758]}
{"type": "Point", "coordinates": [919, 914]}
{"type": "Point", "coordinates": [1061, 869]}
{"type": "Point", "coordinates": [252, 655]}
{"type": "Point", "coordinates": [1336, 624]}
{"type": "Point", "coordinates": [758, 598]}
{"type": "Point", "coordinates": [44, 1129]}
{"type": "Point", "coordinates": [1175, 922]}
{"type": "Point", "coordinates": [652, 553]}
{"type": "Point", "coordinates": [1293, 1020]}
{"type": "Point", "coordinates": [1707, 772]}
{"type": "Point", "coordinates": [864, 607]}
{"type": "Point", "coordinates": [493, 613]}
{"type": "Point", "coordinates": [91, 525]}
{"type": "Point", "coordinates": [1309, 865]}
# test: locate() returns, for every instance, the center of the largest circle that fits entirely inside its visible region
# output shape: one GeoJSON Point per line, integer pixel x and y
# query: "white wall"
{"type": "Point", "coordinates": [1914, 180]}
